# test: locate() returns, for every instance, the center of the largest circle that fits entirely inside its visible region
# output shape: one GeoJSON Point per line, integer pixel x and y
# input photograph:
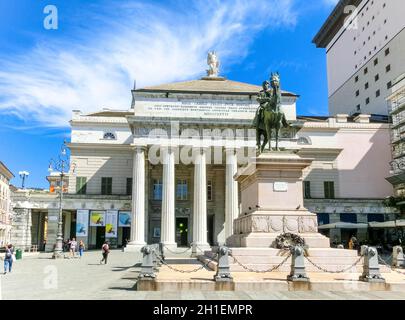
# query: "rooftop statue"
{"type": "Point", "coordinates": [213, 63]}
{"type": "Point", "coordinates": [269, 115]}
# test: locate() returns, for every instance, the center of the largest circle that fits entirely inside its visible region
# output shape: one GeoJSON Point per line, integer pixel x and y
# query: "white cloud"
{"type": "Point", "coordinates": [144, 42]}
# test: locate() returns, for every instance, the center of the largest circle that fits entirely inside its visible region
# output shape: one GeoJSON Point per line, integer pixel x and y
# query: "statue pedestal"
{"type": "Point", "coordinates": [272, 203]}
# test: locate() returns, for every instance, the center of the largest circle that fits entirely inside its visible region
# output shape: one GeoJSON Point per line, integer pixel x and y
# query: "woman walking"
{"type": "Point", "coordinates": [105, 250]}
{"type": "Point", "coordinates": [8, 258]}
{"type": "Point", "coordinates": [81, 248]}
{"type": "Point", "coordinates": [73, 245]}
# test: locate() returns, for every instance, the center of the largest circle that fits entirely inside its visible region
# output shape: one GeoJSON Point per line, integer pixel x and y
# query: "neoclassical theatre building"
{"type": "Point", "coordinates": [163, 169]}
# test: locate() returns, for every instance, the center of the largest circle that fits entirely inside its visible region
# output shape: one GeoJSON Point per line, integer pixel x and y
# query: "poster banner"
{"type": "Point", "coordinates": [82, 223]}
{"type": "Point", "coordinates": [124, 219]}
{"type": "Point", "coordinates": [97, 219]}
{"type": "Point", "coordinates": [111, 224]}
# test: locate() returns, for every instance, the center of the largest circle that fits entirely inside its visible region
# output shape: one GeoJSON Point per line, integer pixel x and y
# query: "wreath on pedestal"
{"type": "Point", "coordinates": [287, 240]}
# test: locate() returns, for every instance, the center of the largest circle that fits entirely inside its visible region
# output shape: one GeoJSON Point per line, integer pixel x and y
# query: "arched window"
{"type": "Point", "coordinates": [109, 136]}
{"type": "Point", "coordinates": [304, 141]}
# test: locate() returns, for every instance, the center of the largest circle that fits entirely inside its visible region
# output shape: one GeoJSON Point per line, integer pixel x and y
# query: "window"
{"type": "Point", "coordinates": [209, 191]}
{"type": "Point", "coordinates": [358, 108]}
{"type": "Point", "coordinates": [157, 189]}
{"type": "Point", "coordinates": [389, 85]}
{"type": "Point", "coordinates": [388, 68]}
{"type": "Point", "coordinates": [366, 86]}
{"type": "Point", "coordinates": [323, 218]}
{"type": "Point", "coordinates": [181, 191]}
{"type": "Point", "coordinates": [307, 189]}
{"type": "Point", "coordinates": [357, 93]}
{"type": "Point", "coordinates": [329, 189]}
{"type": "Point", "coordinates": [377, 77]}
{"type": "Point", "coordinates": [81, 183]}
{"type": "Point", "coordinates": [365, 70]}
{"type": "Point", "coordinates": [377, 93]}
{"type": "Point", "coordinates": [106, 185]}
{"type": "Point", "coordinates": [109, 136]}
{"type": "Point", "coordinates": [348, 217]}
{"type": "Point", "coordinates": [376, 61]}
{"type": "Point", "coordinates": [387, 51]}
{"type": "Point", "coordinates": [356, 79]}
{"type": "Point", "coordinates": [375, 217]}
{"type": "Point", "coordinates": [367, 100]}
{"type": "Point", "coordinates": [129, 186]}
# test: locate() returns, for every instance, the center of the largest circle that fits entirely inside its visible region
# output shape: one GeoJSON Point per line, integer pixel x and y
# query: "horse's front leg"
{"type": "Point", "coordinates": [269, 136]}
{"type": "Point", "coordinates": [277, 132]}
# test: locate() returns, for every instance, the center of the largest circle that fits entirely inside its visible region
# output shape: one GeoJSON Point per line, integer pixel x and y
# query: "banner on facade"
{"type": "Point", "coordinates": [124, 219]}
{"type": "Point", "coordinates": [82, 223]}
{"type": "Point", "coordinates": [97, 219]}
{"type": "Point", "coordinates": [111, 224]}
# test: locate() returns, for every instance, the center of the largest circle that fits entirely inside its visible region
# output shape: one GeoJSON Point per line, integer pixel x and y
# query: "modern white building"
{"type": "Point", "coordinates": [5, 205]}
{"type": "Point", "coordinates": [365, 50]}
{"type": "Point", "coordinates": [162, 171]}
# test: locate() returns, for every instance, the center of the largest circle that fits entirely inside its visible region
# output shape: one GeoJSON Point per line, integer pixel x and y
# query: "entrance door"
{"type": "Point", "coordinates": [126, 235]}
{"type": "Point", "coordinates": [181, 232]}
{"type": "Point", "coordinates": [100, 237]}
{"type": "Point", "coordinates": [210, 235]}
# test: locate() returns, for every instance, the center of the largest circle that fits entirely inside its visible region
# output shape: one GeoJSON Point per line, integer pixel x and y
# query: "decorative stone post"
{"type": "Point", "coordinates": [398, 259]}
{"type": "Point", "coordinates": [168, 199]}
{"type": "Point", "coordinates": [371, 267]}
{"type": "Point", "coordinates": [137, 240]}
{"type": "Point", "coordinates": [231, 191]}
{"type": "Point", "coordinates": [223, 269]}
{"type": "Point", "coordinates": [297, 265]}
{"type": "Point", "coordinates": [200, 201]}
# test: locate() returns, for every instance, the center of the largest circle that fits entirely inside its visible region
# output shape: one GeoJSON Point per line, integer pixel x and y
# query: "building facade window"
{"type": "Point", "coordinates": [356, 79]}
{"type": "Point", "coordinates": [389, 85]}
{"type": "Point", "coordinates": [157, 189]}
{"type": "Point", "coordinates": [209, 191]}
{"type": "Point", "coordinates": [387, 51]}
{"type": "Point", "coordinates": [323, 218]}
{"type": "Point", "coordinates": [307, 189]}
{"type": "Point", "coordinates": [366, 69]}
{"type": "Point", "coordinates": [377, 77]}
{"type": "Point", "coordinates": [106, 185]}
{"type": "Point", "coordinates": [388, 68]}
{"type": "Point", "coordinates": [357, 93]}
{"type": "Point", "coordinates": [129, 186]}
{"type": "Point", "coordinates": [377, 93]}
{"type": "Point", "coordinates": [367, 100]}
{"type": "Point", "coordinates": [109, 136]}
{"type": "Point", "coordinates": [348, 217]}
{"type": "Point", "coordinates": [329, 189]}
{"type": "Point", "coordinates": [81, 185]}
{"type": "Point", "coordinates": [182, 190]}
{"type": "Point", "coordinates": [376, 61]}
{"type": "Point", "coordinates": [366, 86]}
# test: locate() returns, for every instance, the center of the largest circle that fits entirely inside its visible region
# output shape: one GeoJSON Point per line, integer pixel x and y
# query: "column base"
{"type": "Point", "coordinates": [134, 247]}
{"type": "Point", "coordinates": [202, 247]}
{"type": "Point", "coordinates": [58, 255]}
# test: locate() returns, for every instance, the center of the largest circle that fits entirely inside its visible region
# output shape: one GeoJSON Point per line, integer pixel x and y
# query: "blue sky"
{"type": "Point", "coordinates": [100, 47]}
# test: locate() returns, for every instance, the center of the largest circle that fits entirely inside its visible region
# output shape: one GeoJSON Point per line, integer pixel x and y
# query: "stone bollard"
{"type": "Point", "coordinates": [297, 265]}
{"type": "Point", "coordinates": [398, 259]}
{"type": "Point", "coordinates": [193, 250]}
{"type": "Point", "coordinates": [371, 267]}
{"type": "Point", "coordinates": [223, 270]}
{"type": "Point", "coordinates": [148, 264]}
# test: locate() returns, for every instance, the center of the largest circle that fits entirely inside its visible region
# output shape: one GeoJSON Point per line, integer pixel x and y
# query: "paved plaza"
{"type": "Point", "coordinates": [40, 277]}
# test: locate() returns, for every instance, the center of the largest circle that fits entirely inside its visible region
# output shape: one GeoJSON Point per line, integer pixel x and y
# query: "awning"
{"type": "Point", "coordinates": [344, 225]}
{"type": "Point", "coordinates": [387, 224]}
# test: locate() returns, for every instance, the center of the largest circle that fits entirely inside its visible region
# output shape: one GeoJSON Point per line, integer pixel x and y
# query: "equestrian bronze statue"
{"type": "Point", "coordinates": [269, 115]}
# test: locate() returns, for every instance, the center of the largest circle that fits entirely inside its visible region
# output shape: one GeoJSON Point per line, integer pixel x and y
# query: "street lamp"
{"type": "Point", "coordinates": [61, 165]}
{"type": "Point", "coordinates": [23, 176]}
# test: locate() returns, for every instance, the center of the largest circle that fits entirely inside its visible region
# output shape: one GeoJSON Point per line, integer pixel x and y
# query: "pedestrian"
{"type": "Point", "coordinates": [8, 258]}
{"type": "Point", "coordinates": [73, 245]}
{"type": "Point", "coordinates": [81, 248]}
{"type": "Point", "coordinates": [105, 250]}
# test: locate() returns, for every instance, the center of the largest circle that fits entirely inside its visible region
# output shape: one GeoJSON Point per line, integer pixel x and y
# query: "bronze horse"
{"type": "Point", "coordinates": [272, 118]}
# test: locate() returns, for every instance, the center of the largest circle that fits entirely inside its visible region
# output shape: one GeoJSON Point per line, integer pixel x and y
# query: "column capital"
{"type": "Point", "coordinates": [139, 147]}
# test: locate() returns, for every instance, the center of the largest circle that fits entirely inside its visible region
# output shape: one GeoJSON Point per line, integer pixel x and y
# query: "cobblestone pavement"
{"type": "Point", "coordinates": [40, 277]}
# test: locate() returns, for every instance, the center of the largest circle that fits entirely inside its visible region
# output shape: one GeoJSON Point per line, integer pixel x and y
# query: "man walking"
{"type": "Point", "coordinates": [8, 258]}
{"type": "Point", "coordinates": [105, 250]}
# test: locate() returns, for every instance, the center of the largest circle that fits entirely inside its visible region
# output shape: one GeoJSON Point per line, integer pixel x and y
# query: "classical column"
{"type": "Point", "coordinates": [168, 200]}
{"type": "Point", "coordinates": [200, 201]}
{"type": "Point", "coordinates": [138, 201]}
{"type": "Point", "coordinates": [231, 191]}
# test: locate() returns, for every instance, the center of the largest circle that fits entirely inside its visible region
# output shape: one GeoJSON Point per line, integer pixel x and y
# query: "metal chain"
{"type": "Point", "coordinates": [261, 271]}
{"type": "Point", "coordinates": [339, 271]}
{"type": "Point", "coordinates": [186, 271]}
{"type": "Point", "coordinates": [391, 267]}
{"type": "Point", "coordinates": [175, 252]}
